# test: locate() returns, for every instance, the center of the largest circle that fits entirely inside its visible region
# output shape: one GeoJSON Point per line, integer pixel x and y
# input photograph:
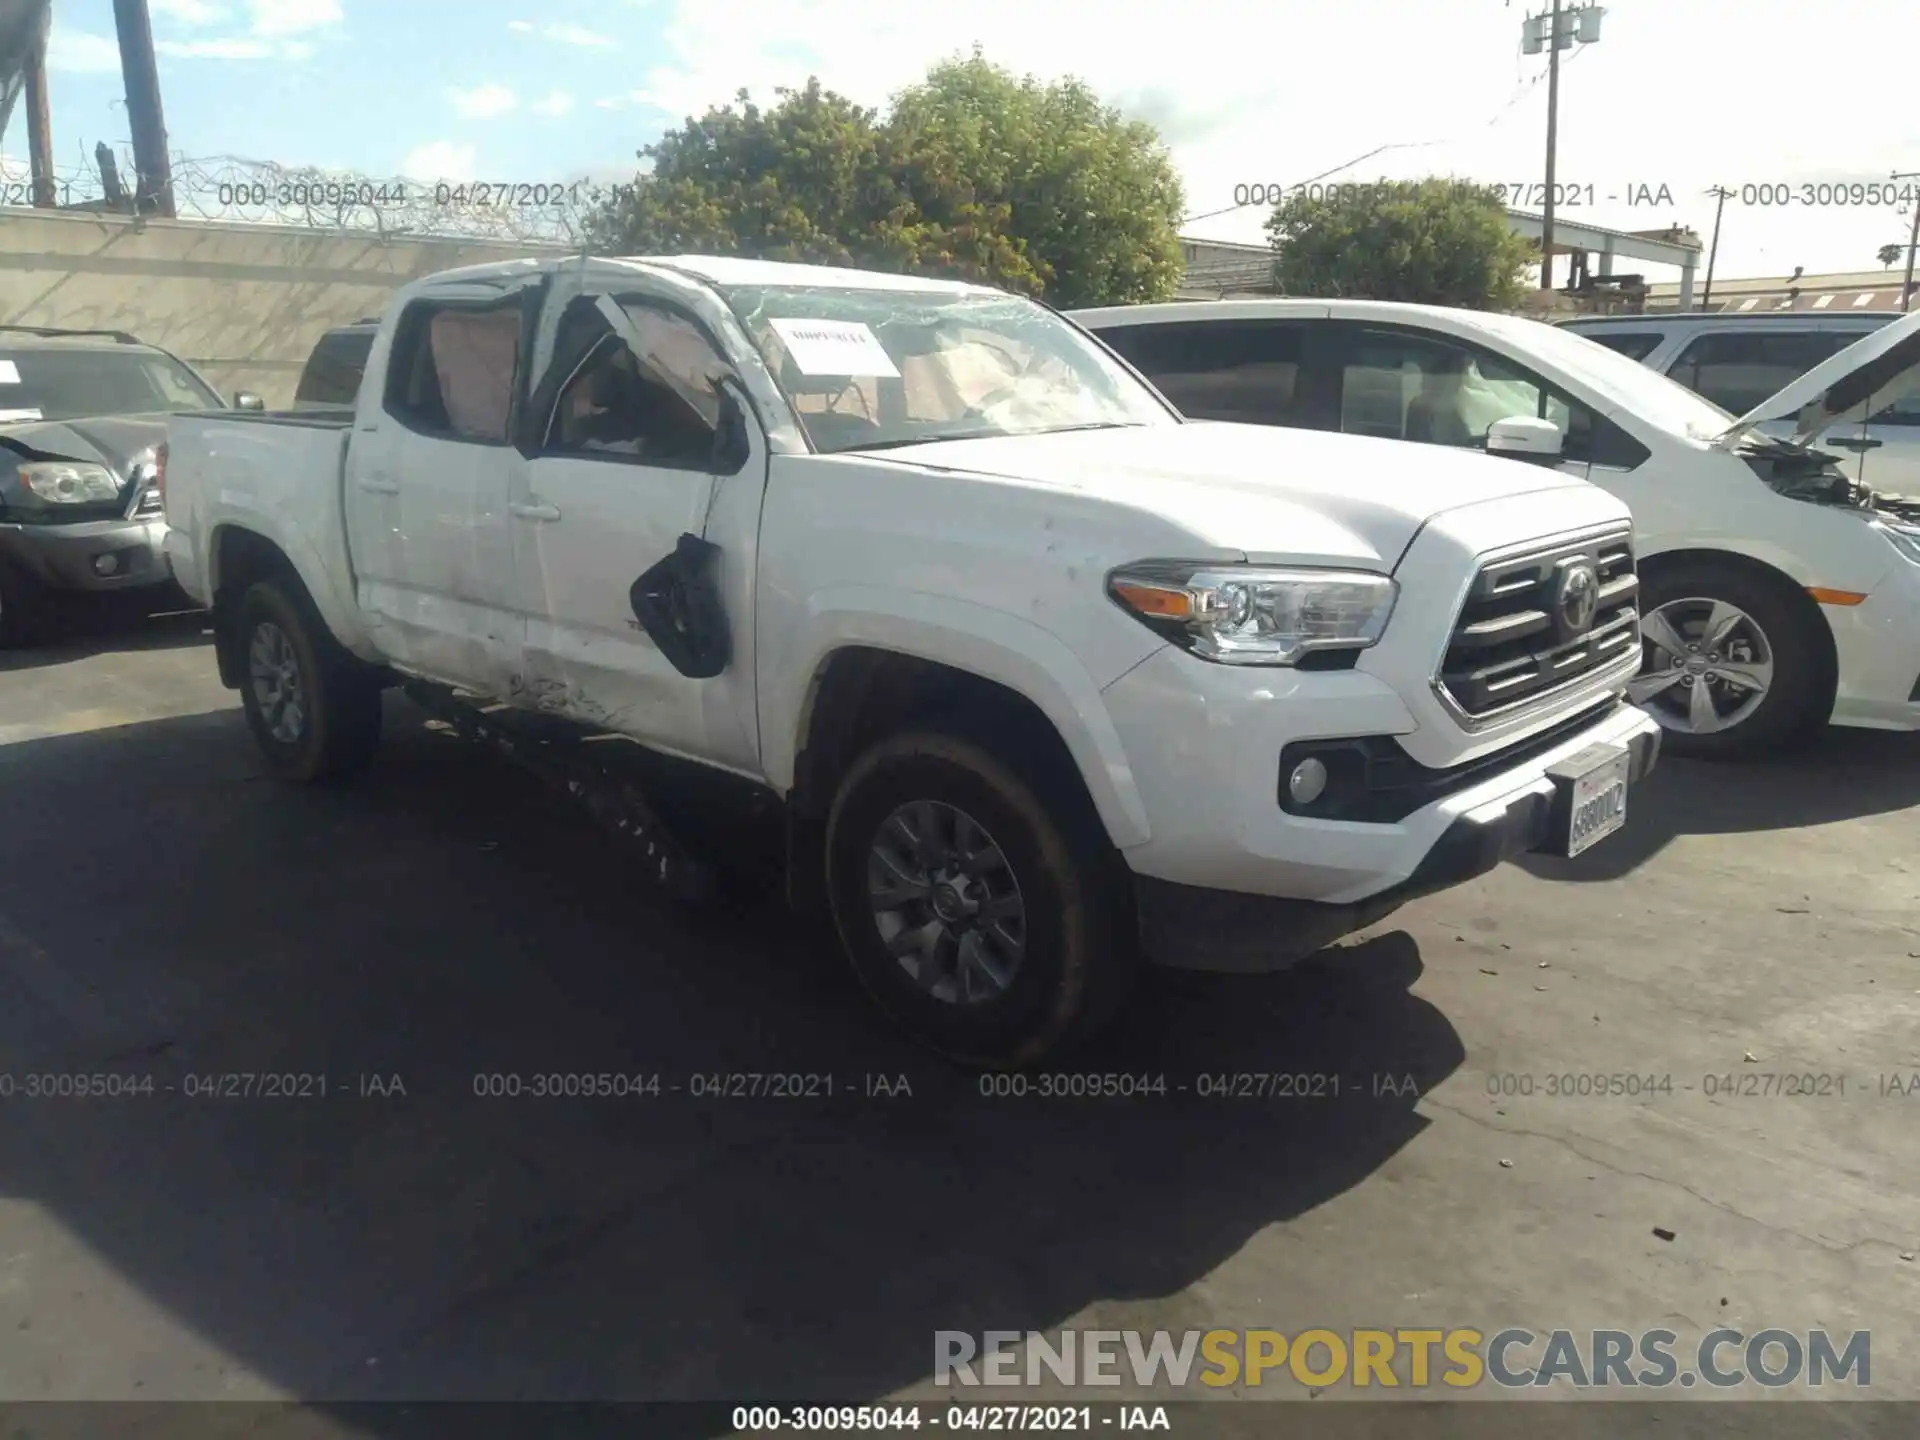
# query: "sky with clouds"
{"type": "Point", "coordinates": [1678, 94]}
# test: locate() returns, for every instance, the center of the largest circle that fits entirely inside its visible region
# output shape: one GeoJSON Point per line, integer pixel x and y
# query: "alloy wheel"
{"type": "Point", "coordinates": [274, 669]}
{"type": "Point", "coordinates": [947, 903]}
{"type": "Point", "coordinates": [1706, 666]}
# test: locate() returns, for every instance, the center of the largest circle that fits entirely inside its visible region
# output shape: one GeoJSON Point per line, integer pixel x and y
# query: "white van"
{"type": "Point", "coordinates": [1738, 359]}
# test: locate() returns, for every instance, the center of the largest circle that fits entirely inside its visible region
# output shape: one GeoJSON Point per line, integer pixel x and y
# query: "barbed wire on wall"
{"type": "Point", "coordinates": [235, 189]}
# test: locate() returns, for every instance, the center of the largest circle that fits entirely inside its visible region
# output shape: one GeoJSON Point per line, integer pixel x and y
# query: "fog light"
{"type": "Point", "coordinates": [1307, 782]}
{"type": "Point", "coordinates": [106, 564]}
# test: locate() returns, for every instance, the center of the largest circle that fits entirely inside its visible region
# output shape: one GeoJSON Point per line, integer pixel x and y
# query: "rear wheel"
{"type": "Point", "coordinates": [1732, 664]}
{"type": "Point", "coordinates": [313, 709]}
{"type": "Point", "coordinates": [986, 920]}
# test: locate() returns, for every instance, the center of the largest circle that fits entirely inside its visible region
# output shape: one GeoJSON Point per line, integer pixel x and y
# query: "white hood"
{"type": "Point", "coordinates": [1263, 490]}
{"type": "Point", "coordinates": [1866, 377]}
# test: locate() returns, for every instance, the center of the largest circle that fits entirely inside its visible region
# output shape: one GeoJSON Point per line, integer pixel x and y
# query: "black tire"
{"type": "Point", "coordinates": [23, 608]}
{"type": "Point", "coordinates": [1800, 695]}
{"type": "Point", "coordinates": [338, 728]}
{"type": "Point", "coordinates": [1079, 959]}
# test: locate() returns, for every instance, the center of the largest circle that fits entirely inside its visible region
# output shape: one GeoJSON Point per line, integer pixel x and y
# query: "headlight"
{"type": "Point", "coordinates": [1243, 615]}
{"type": "Point", "coordinates": [69, 482]}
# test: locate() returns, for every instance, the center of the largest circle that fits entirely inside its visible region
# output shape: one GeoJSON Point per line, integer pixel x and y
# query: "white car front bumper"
{"type": "Point", "coordinates": [1877, 645]}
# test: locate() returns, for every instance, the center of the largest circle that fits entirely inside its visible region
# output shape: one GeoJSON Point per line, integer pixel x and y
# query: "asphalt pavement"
{"type": "Point", "coordinates": [446, 931]}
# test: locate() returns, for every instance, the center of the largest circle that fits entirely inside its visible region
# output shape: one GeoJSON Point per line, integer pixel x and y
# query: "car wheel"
{"type": "Point", "coordinates": [1733, 665]}
{"type": "Point", "coordinates": [23, 608]}
{"type": "Point", "coordinates": [988, 922]}
{"type": "Point", "coordinates": [313, 710]}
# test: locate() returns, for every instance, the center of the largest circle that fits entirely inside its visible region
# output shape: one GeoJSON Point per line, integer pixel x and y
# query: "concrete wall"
{"type": "Point", "coordinates": [242, 303]}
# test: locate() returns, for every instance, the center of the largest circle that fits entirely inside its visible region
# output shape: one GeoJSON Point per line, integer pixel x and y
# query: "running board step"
{"type": "Point", "coordinates": [568, 765]}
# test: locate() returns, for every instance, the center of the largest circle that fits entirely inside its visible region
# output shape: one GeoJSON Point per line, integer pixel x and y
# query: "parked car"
{"type": "Point", "coordinates": [1032, 669]}
{"type": "Point", "coordinates": [331, 377]}
{"type": "Point", "coordinates": [1776, 592]}
{"type": "Point", "coordinates": [80, 414]}
{"type": "Point", "coordinates": [1737, 360]}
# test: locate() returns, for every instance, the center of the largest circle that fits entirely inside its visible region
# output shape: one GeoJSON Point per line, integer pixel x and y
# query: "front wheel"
{"type": "Point", "coordinates": [987, 921]}
{"type": "Point", "coordinates": [1732, 664]}
{"type": "Point", "coordinates": [314, 713]}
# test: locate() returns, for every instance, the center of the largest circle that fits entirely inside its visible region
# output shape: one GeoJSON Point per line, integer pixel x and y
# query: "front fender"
{"type": "Point", "coordinates": [989, 643]}
{"type": "Point", "coordinates": [1834, 559]}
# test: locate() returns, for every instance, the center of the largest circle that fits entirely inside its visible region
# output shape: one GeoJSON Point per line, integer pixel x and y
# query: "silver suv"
{"type": "Point", "coordinates": [1738, 360]}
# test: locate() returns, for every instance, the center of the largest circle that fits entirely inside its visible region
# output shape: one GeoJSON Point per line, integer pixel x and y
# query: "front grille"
{"type": "Point", "coordinates": [1519, 639]}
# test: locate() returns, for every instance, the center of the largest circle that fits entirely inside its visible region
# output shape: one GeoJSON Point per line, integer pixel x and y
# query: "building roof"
{"type": "Point", "coordinates": [1838, 291]}
{"type": "Point", "coordinates": [1224, 267]}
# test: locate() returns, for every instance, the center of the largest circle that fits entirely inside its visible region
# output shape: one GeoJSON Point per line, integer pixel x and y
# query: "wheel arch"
{"type": "Point", "coordinates": [1666, 563]}
{"type": "Point", "coordinates": [859, 693]}
{"type": "Point", "coordinates": [239, 557]}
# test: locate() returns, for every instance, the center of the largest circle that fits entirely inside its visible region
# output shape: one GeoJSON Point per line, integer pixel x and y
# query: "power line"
{"type": "Point", "coordinates": [1525, 89]}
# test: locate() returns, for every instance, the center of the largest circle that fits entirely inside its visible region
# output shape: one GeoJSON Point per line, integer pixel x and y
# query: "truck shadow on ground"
{"type": "Point", "coordinates": [96, 625]}
{"type": "Point", "coordinates": [448, 930]}
{"type": "Point", "coordinates": [1842, 775]}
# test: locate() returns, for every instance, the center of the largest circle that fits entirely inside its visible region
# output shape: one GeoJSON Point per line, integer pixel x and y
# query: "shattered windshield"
{"type": "Point", "coordinates": [878, 369]}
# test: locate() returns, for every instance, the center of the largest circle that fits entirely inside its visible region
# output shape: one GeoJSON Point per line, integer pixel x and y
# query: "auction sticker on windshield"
{"type": "Point", "coordinates": [835, 347]}
{"type": "Point", "coordinates": [9, 373]}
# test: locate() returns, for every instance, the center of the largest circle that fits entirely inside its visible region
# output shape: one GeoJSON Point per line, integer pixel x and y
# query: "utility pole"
{"type": "Point", "coordinates": [1553, 126]}
{"type": "Point", "coordinates": [152, 171]}
{"type": "Point", "coordinates": [1720, 193]}
{"type": "Point", "coordinates": [1913, 239]}
{"type": "Point", "coordinates": [1583, 24]}
{"type": "Point", "coordinates": [39, 127]}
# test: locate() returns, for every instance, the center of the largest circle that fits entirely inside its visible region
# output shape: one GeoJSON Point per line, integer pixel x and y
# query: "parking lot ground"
{"type": "Point", "coordinates": [446, 928]}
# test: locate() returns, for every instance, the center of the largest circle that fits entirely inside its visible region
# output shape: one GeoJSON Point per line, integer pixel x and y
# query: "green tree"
{"type": "Point", "coordinates": [973, 173]}
{"type": "Point", "coordinates": [1890, 253]}
{"type": "Point", "coordinates": [1435, 242]}
{"type": "Point", "coordinates": [1093, 196]}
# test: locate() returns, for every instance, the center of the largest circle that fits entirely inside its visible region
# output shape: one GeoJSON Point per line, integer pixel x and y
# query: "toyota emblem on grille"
{"type": "Point", "coordinates": [1577, 597]}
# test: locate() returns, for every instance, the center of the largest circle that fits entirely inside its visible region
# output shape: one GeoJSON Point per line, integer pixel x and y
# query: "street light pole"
{"type": "Point", "coordinates": [1553, 123]}
{"type": "Point", "coordinates": [1720, 192]}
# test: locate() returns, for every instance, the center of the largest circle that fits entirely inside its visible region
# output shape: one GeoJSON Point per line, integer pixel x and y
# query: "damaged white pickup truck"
{"type": "Point", "coordinates": [1038, 678]}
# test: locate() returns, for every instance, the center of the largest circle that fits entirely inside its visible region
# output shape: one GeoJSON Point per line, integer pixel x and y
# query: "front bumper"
{"type": "Point", "coordinates": [1877, 647]}
{"type": "Point", "coordinates": [68, 557]}
{"type": "Point", "coordinates": [1229, 880]}
{"type": "Point", "coordinates": [1186, 927]}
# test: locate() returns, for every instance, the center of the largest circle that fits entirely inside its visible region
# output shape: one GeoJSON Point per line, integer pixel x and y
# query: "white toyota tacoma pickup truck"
{"type": "Point", "coordinates": [1040, 678]}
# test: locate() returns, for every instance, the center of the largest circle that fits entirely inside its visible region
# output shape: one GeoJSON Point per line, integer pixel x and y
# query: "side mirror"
{"type": "Point", "coordinates": [1523, 437]}
{"type": "Point", "coordinates": [247, 400]}
{"type": "Point", "coordinates": [732, 444]}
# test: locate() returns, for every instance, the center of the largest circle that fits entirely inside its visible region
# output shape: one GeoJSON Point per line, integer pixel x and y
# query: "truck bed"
{"type": "Point", "coordinates": [278, 474]}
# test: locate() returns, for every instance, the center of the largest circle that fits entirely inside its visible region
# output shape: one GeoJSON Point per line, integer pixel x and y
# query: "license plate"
{"type": "Point", "coordinates": [1599, 803]}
